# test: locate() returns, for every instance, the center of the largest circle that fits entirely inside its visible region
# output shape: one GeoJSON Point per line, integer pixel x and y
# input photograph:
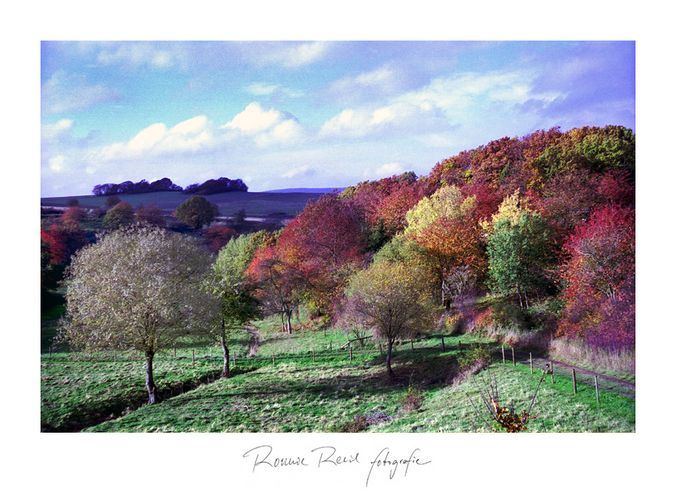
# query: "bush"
{"type": "Point", "coordinates": [357, 425]}
{"type": "Point", "coordinates": [196, 212]}
{"type": "Point", "coordinates": [477, 356]}
{"type": "Point", "coordinates": [412, 401]}
{"type": "Point", "coordinates": [120, 215]}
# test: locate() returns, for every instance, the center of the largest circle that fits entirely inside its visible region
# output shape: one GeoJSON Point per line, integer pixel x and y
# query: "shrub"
{"type": "Point", "coordinates": [412, 401]}
{"type": "Point", "coordinates": [196, 212]}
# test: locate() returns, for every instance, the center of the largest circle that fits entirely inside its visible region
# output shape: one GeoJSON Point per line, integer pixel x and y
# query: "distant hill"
{"type": "Point", "coordinates": [254, 204]}
{"type": "Point", "coordinates": [306, 190]}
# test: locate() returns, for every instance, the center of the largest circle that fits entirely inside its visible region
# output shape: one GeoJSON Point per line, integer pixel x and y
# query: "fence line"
{"type": "Point", "coordinates": [349, 352]}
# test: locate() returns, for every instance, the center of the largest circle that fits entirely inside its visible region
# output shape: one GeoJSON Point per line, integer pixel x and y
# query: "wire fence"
{"type": "Point", "coordinates": [368, 348]}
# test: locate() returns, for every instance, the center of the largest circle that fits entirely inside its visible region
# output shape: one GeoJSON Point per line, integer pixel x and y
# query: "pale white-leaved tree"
{"type": "Point", "coordinates": [138, 288]}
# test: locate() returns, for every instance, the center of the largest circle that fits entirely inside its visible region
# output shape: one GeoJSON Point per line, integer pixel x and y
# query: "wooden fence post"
{"type": "Point", "coordinates": [273, 359]}
{"type": "Point", "coordinates": [530, 361]}
{"type": "Point", "coordinates": [443, 346]}
{"type": "Point", "coordinates": [380, 347]}
{"type": "Point", "coordinates": [513, 358]}
{"type": "Point", "coordinates": [350, 352]}
{"type": "Point", "coordinates": [411, 344]}
{"type": "Point", "coordinates": [503, 353]}
{"type": "Point", "coordinates": [574, 381]}
{"type": "Point", "coordinates": [174, 351]}
{"type": "Point", "coordinates": [552, 374]}
{"type": "Point", "coordinates": [330, 345]}
{"type": "Point", "coordinates": [596, 388]}
{"type": "Point", "coordinates": [459, 344]}
{"type": "Point", "coordinates": [193, 357]}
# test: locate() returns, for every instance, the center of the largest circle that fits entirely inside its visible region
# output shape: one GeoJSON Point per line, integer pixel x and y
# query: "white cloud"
{"type": "Point", "coordinates": [254, 119]}
{"type": "Point", "coordinates": [193, 134]}
{"type": "Point", "coordinates": [63, 92]}
{"type": "Point", "coordinates": [259, 88]}
{"type": "Point", "coordinates": [469, 89]}
{"type": "Point", "coordinates": [157, 56]}
{"type": "Point", "coordinates": [266, 127]}
{"type": "Point", "coordinates": [306, 53]}
{"type": "Point", "coordinates": [57, 163]}
{"type": "Point", "coordinates": [361, 122]}
{"type": "Point", "coordinates": [455, 99]}
{"type": "Point", "coordinates": [389, 169]}
{"type": "Point", "coordinates": [383, 78]}
{"type": "Point", "coordinates": [198, 134]}
{"type": "Point", "coordinates": [294, 55]}
{"type": "Point", "coordinates": [267, 89]}
{"type": "Point", "coordinates": [294, 173]}
{"type": "Point", "coordinates": [57, 129]}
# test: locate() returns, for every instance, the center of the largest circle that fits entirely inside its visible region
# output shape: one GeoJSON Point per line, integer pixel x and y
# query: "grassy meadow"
{"type": "Point", "coordinates": [309, 382]}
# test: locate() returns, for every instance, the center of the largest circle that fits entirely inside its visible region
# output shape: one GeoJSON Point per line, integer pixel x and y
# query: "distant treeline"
{"type": "Point", "coordinates": [212, 186]}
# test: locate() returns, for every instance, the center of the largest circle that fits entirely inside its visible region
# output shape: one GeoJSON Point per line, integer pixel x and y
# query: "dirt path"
{"type": "Point", "coordinates": [583, 375]}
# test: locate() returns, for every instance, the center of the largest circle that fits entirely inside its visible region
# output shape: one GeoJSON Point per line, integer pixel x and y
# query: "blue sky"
{"type": "Point", "coordinates": [309, 114]}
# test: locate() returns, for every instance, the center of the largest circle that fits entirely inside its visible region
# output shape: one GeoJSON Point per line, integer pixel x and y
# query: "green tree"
{"type": "Point", "coordinates": [234, 293]}
{"type": "Point", "coordinates": [196, 212]}
{"type": "Point", "coordinates": [120, 215]}
{"type": "Point", "coordinates": [392, 300]}
{"type": "Point", "coordinates": [137, 288]}
{"type": "Point", "coordinates": [519, 250]}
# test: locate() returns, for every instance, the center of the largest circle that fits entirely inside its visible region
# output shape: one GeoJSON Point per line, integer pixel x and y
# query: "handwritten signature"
{"type": "Point", "coordinates": [327, 456]}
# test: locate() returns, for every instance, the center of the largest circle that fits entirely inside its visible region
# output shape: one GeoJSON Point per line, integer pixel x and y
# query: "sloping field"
{"type": "Point", "coordinates": [311, 382]}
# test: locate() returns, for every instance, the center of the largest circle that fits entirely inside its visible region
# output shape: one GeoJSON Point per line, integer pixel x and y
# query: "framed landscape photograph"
{"type": "Point", "coordinates": [338, 236]}
{"type": "Point", "coordinates": [300, 250]}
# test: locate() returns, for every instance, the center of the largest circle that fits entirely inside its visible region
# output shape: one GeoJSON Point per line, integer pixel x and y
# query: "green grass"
{"type": "Point", "coordinates": [313, 386]}
{"type": "Point", "coordinates": [78, 389]}
{"type": "Point", "coordinates": [556, 408]}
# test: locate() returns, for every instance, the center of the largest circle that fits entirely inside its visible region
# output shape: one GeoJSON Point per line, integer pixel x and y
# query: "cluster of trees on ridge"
{"type": "Point", "coordinates": [211, 186]}
{"type": "Point", "coordinates": [544, 222]}
{"type": "Point", "coordinates": [62, 238]}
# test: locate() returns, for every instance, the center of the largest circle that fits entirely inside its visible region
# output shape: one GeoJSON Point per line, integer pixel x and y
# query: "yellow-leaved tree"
{"type": "Point", "coordinates": [392, 300]}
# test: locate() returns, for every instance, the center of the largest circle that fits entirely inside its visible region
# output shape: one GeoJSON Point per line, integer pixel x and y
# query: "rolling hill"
{"type": "Point", "coordinates": [255, 204]}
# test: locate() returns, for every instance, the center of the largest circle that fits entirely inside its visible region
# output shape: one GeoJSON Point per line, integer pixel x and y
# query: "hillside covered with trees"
{"type": "Point", "coordinates": [525, 242]}
{"type": "Point", "coordinates": [543, 224]}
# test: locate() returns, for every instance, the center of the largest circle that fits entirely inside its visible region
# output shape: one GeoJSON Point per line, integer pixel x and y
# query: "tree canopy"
{"type": "Point", "coordinates": [196, 212]}
{"type": "Point", "coordinates": [138, 288]}
{"type": "Point", "coordinates": [391, 300]}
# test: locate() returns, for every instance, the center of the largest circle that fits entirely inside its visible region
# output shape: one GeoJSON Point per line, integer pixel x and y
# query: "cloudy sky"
{"type": "Point", "coordinates": [308, 114]}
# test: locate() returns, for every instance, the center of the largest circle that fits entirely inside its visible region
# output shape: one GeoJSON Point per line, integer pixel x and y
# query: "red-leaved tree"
{"type": "Point", "coordinates": [324, 245]}
{"type": "Point", "coordinates": [278, 282]}
{"type": "Point", "coordinates": [600, 278]}
{"type": "Point", "coordinates": [218, 236]}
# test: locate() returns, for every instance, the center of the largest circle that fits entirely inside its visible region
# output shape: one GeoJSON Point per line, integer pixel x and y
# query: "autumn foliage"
{"type": "Point", "coordinates": [544, 217]}
{"type": "Point", "coordinates": [600, 276]}
{"type": "Point", "coordinates": [323, 246]}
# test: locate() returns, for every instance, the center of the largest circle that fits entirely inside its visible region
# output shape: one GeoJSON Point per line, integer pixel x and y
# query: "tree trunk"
{"type": "Point", "coordinates": [390, 342]}
{"type": "Point", "coordinates": [226, 355]}
{"type": "Point", "coordinates": [150, 382]}
{"type": "Point", "coordinates": [288, 322]}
